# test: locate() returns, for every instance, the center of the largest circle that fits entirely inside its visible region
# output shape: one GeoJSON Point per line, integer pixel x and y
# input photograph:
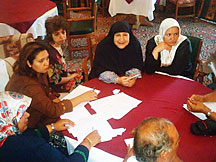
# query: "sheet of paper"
{"type": "Point", "coordinates": [87, 124]}
{"type": "Point", "coordinates": [129, 141]}
{"type": "Point", "coordinates": [95, 154]}
{"type": "Point", "coordinates": [78, 112]}
{"type": "Point", "coordinates": [78, 91]}
{"type": "Point", "coordinates": [175, 76]}
{"type": "Point", "coordinates": [115, 106]}
{"type": "Point", "coordinates": [211, 105]}
{"type": "Point", "coordinates": [199, 115]}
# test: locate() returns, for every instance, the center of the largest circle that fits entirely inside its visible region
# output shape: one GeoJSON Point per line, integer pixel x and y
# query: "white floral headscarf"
{"type": "Point", "coordinates": [12, 107]}
{"type": "Point", "coordinates": [168, 56]}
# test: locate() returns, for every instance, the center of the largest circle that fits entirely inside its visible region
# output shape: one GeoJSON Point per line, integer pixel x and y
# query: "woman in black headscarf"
{"type": "Point", "coordinates": [118, 54]}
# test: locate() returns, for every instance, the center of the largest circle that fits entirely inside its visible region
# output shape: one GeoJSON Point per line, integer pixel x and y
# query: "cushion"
{"type": "Point", "coordinates": [9, 61]}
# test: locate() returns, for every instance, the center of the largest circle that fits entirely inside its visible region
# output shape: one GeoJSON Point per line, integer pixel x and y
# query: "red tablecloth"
{"type": "Point", "coordinates": [20, 14]}
{"type": "Point", "coordinates": [161, 96]}
{"type": "Point", "coordinates": [129, 1]}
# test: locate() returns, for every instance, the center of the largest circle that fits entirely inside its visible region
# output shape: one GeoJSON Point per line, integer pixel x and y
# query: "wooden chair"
{"type": "Point", "coordinates": [61, 5]}
{"type": "Point", "coordinates": [95, 39]}
{"type": "Point", "coordinates": [196, 44]}
{"type": "Point", "coordinates": [187, 5]}
{"type": "Point", "coordinates": [82, 25]}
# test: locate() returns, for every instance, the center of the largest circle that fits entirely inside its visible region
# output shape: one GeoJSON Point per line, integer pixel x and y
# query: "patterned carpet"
{"type": "Point", "coordinates": [192, 27]}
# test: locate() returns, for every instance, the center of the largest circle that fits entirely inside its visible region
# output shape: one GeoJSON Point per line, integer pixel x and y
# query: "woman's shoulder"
{"type": "Point", "coordinates": [21, 80]}
{"type": "Point", "coordinates": [185, 44]}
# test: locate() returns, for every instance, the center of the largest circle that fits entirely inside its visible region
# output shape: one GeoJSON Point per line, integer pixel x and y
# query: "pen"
{"type": "Point", "coordinates": [93, 88]}
{"type": "Point", "coordinates": [132, 77]}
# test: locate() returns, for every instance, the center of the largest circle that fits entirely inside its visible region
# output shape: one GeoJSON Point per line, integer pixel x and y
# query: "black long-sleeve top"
{"type": "Point", "coordinates": [181, 64]}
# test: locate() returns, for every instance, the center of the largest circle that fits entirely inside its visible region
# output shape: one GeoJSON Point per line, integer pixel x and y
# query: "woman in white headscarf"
{"type": "Point", "coordinates": [169, 51]}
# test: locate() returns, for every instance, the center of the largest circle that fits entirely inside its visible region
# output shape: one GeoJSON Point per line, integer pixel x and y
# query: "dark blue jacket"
{"type": "Point", "coordinates": [29, 147]}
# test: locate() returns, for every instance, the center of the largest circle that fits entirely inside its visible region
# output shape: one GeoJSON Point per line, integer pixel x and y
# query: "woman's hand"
{"type": "Point", "coordinates": [88, 96]}
{"type": "Point", "coordinates": [61, 125]}
{"type": "Point", "coordinates": [85, 97]}
{"type": "Point", "coordinates": [91, 139]}
{"type": "Point", "coordinates": [160, 47]}
{"type": "Point", "coordinates": [163, 46]}
{"type": "Point", "coordinates": [126, 81]}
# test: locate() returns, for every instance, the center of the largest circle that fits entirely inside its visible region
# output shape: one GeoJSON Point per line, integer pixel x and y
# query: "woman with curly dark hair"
{"type": "Point", "coordinates": [59, 78]}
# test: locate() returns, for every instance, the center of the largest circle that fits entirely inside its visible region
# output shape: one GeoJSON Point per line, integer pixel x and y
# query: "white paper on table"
{"type": "Point", "coordinates": [199, 115]}
{"type": "Point", "coordinates": [86, 125]}
{"type": "Point", "coordinates": [211, 105]}
{"type": "Point", "coordinates": [95, 154]}
{"type": "Point", "coordinates": [115, 106]}
{"type": "Point", "coordinates": [78, 112]}
{"type": "Point", "coordinates": [132, 159]}
{"type": "Point", "coordinates": [78, 91]}
{"type": "Point", "coordinates": [129, 141]}
{"type": "Point", "coordinates": [174, 76]}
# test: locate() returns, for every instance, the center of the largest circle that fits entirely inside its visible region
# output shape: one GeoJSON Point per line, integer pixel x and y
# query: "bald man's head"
{"type": "Point", "coordinates": [153, 136]}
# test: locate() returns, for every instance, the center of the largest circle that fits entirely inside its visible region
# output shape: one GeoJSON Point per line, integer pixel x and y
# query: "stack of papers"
{"type": "Point", "coordinates": [85, 124]}
{"type": "Point", "coordinates": [114, 106]}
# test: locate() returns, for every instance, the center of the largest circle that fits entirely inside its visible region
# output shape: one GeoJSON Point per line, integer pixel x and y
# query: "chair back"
{"type": "Point", "coordinates": [95, 39]}
{"type": "Point", "coordinates": [81, 24]}
{"type": "Point", "coordinates": [11, 45]}
{"type": "Point", "coordinates": [196, 44]}
{"type": "Point", "coordinates": [188, 6]}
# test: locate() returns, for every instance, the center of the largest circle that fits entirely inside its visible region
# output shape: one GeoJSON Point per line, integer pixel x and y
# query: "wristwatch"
{"type": "Point", "coordinates": [209, 113]}
{"type": "Point", "coordinates": [53, 128]}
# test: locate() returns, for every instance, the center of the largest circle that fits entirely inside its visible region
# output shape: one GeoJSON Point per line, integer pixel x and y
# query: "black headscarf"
{"type": "Point", "coordinates": [108, 57]}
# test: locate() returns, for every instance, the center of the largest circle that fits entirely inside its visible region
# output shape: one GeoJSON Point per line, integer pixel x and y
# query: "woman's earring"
{"type": "Point", "coordinates": [28, 63]}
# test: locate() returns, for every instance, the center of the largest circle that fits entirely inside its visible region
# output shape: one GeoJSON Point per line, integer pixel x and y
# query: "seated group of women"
{"type": "Point", "coordinates": [119, 56]}
{"type": "Point", "coordinates": [41, 73]}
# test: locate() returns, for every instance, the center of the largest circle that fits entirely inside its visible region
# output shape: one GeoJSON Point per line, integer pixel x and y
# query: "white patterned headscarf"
{"type": "Point", "coordinates": [12, 107]}
{"type": "Point", "coordinates": [168, 56]}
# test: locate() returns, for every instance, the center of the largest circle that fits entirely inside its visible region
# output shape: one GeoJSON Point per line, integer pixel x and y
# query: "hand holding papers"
{"type": "Point", "coordinates": [199, 115]}
{"type": "Point", "coordinates": [202, 116]}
